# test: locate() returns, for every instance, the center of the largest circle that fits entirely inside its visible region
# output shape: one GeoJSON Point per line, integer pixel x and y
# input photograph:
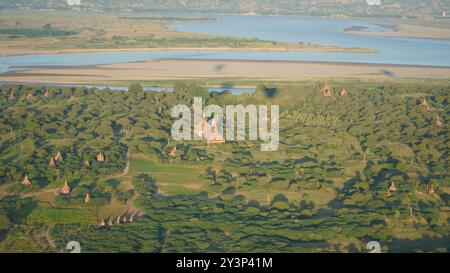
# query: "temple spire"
{"type": "Point", "coordinates": [100, 157]}
{"type": "Point", "coordinates": [65, 189]}
{"type": "Point", "coordinates": [58, 156]}
{"type": "Point", "coordinates": [26, 181]}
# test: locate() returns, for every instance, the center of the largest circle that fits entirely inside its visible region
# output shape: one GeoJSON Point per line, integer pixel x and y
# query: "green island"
{"type": "Point", "coordinates": [359, 160]}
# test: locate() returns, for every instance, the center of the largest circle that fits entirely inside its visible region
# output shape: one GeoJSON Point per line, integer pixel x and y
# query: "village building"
{"type": "Point", "coordinates": [65, 189]}
{"type": "Point", "coordinates": [26, 181]}
{"type": "Point", "coordinates": [29, 96]}
{"type": "Point", "coordinates": [100, 157]}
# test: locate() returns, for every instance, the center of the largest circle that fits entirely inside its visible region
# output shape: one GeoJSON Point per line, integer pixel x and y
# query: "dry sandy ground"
{"type": "Point", "coordinates": [202, 69]}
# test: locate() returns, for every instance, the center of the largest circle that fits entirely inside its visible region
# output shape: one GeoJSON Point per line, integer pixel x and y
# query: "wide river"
{"type": "Point", "coordinates": [392, 50]}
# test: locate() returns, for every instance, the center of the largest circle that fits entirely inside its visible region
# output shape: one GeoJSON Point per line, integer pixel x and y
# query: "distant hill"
{"type": "Point", "coordinates": [337, 8]}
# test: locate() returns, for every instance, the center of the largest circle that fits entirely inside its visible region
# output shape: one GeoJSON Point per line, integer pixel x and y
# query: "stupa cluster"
{"type": "Point", "coordinates": [65, 190]}
{"type": "Point", "coordinates": [393, 188]}
{"type": "Point", "coordinates": [127, 217]}
{"type": "Point", "coordinates": [326, 91]}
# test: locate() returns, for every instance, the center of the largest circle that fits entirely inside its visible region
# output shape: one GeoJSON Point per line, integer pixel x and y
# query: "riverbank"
{"type": "Point", "coordinates": [436, 29]}
{"type": "Point", "coordinates": [112, 32]}
{"type": "Point", "coordinates": [187, 69]}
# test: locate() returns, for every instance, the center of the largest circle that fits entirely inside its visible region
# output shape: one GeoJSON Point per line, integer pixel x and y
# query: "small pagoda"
{"type": "Point", "coordinates": [29, 96]}
{"type": "Point", "coordinates": [26, 181]}
{"type": "Point", "coordinates": [65, 189]}
{"type": "Point", "coordinates": [100, 157]}
{"type": "Point", "coordinates": [343, 92]}
{"type": "Point", "coordinates": [102, 223]}
{"type": "Point", "coordinates": [131, 218]}
{"type": "Point", "coordinates": [425, 104]}
{"type": "Point", "coordinates": [87, 198]}
{"type": "Point", "coordinates": [58, 156]}
{"type": "Point", "coordinates": [46, 93]}
{"type": "Point", "coordinates": [118, 220]}
{"type": "Point", "coordinates": [51, 163]}
{"type": "Point", "coordinates": [412, 218]}
{"type": "Point", "coordinates": [392, 188]}
{"type": "Point", "coordinates": [110, 223]}
{"type": "Point", "coordinates": [438, 121]}
{"type": "Point", "coordinates": [173, 152]}
{"type": "Point", "coordinates": [326, 90]}
{"type": "Point", "coordinates": [124, 219]}
{"type": "Point", "coordinates": [430, 189]}
{"type": "Point", "coordinates": [87, 164]}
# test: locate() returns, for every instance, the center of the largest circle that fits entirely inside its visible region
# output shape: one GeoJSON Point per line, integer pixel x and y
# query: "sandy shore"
{"type": "Point", "coordinates": [319, 48]}
{"type": "Point", "coordinates": [168, 69]}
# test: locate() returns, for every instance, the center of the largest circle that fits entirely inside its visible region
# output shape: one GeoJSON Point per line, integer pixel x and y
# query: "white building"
{"type": "Point", "coordinates": [74, 2]}
{"type": "Point", "coordinates": [374, 2]}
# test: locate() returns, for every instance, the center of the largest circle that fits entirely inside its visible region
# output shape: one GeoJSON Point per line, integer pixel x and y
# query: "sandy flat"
{"type": "Point", "coordinates": [201, 69]}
